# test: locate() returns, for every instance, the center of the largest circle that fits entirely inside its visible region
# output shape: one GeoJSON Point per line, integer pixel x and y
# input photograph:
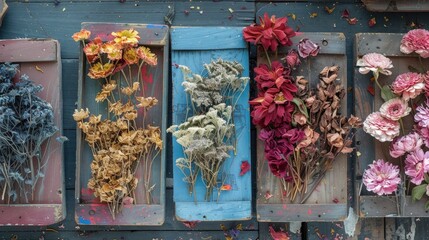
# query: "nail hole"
{"type": "Point", "coordinates": [91, 212]}
{"type": "Point", "coordinates": [325, 42]}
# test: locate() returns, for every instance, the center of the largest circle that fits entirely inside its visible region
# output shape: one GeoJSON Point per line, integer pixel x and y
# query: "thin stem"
{"type": "Point", "coordinates": [268, 57]}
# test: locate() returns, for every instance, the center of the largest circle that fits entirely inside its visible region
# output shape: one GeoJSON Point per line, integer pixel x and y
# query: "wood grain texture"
{"type": "Point", "coordinates": [320, 206]}
{"type": "Point", "coordinates": [397, 5]}
{"type": "Point", "coordinates": [154, 80]}
{"type": "Point", "coordinates": [48, 196]}
{"type": "Point", "coordinates": [240, 195]}
{"type": "Point", "coordinates": [371, 149]}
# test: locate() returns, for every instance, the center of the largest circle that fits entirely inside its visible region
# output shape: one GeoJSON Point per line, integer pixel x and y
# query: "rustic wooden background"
{"type": "Point", "coordinates": [59, 19]}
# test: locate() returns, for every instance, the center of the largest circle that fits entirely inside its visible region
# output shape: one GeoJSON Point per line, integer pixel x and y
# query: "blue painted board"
{"type": "Point", "coordinates": [219, 42]}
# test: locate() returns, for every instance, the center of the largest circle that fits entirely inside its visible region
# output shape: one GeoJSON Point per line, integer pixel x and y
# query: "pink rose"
{"type": "Point", "coordinates": [382, 129]}
{"type": "Point", "coordinates": [395, 109]}
{"type": "Point", "coordinates": [375, 63]}
{"type": "Point", "coordinates": [409, 85]}
{"type": "Point", "coordinates": [416, 165]}
{"type": "Point", "coordinates": [404, 144]}
{"type": "Point", "coordinates": [292, 59]}
{"type": "Point", "coordinates": [416, 40]}
{"type": "Point", "coordinates": [381, 177]}
{"type": "Point", "coordinates": [306, 48]}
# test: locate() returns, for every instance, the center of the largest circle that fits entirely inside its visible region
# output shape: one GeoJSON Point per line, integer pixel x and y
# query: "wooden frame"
{"type": "Point", "coordinates": [397, 5]}
{"type": "Point", "coordinates": [370, 205]}
{"type": "Point", "coordinates": [88, 210]}
{"type": "Point", "coordinates": [193, 47]}
{"type": "Point", "coordinates": [321, 205]}
{"type": "Point", "coordinates": [40, 59]}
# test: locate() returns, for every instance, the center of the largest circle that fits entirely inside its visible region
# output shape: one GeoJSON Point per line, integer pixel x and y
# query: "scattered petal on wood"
{"type": "Point", "coordinates": [190, 224]}
{"type": "Point", "coordinates": [352, 21]}
{"type": "Point", "coordinates": [345, 14]}
{"type": "Point", "coordinates": [371, 90]}
{"type": "Point", "coordinates": [313, 14]}
{"type": "Point", "coordinates": [280, 235]}
{"type": "Point", "coordinates": [230, 10]}
{"type": "Point", "coordinates": [386, 19]}
{"type": "Point", "coordinates": [128, 201]}
{"type": "Point", "coordinates": [62, 139]}
{"type": "Point", "coordinates": [226, 187]}
{"type": "Point", "coordinates": [39, 69]}
{"type": "Point", "coordinates": [358, 154]}
{"type": "Point", "coordinates": [293, 16]}
{"type": "Point", "coordinates": [186, 12]}
{"type": "Point", "coordinates": [371, 22]}
{"type": "Point", "coordinates": [335, 200]}
{"type": "Point", "coordinates": [268, 195]}
{"type": "Point", "coordinates": [329, 10]}
{"type": "Point", "coordinates": [244, 168]}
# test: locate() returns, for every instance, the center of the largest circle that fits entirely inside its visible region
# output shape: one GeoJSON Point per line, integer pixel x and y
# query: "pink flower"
{"type": "Point", "coordinates": [404, 144]}
{"type": "Point", "coordinates": [416, 165]}
{"type": "Point", "coordinates": [422, 115]}
{"type": "Point", "coordinates": [424, 134]}
{"type": "Point", "coordinates": [306, 48]}
{"type": "Point", "coordinates": [381, 177]}
{"type": "Point", "coordinates": [292, 59]}
{"type": "Point", "coordinates": [270, 32]}
{"type": "Point", "coordinates": [395, 109]}
{"type": "Point", "coordinates": [409, 85]}
{"type": "Point", "coordinates": [416, 40]}
{"type": "Point", "coordinates": [381, 128]}
{"type": "Point", "coordinates": [375, 63]}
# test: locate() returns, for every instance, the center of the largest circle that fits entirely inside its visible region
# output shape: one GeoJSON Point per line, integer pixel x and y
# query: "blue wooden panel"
{"type": "Point", "coordinates": [207, 38]}
{"type": "Point", "coordinates": [234, 204]}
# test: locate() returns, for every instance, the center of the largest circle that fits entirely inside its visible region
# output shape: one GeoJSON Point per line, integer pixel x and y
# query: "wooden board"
{"type": "Point", "coordinates": [88, 209]}
{"type": "Point", "coordinates": [321, 205]}
{"type": "Point", "coordinates": [3, 10]}
{"type": "Point", "coordinates": [397, 5]}
{"type": "Point", "coordinates": [48, 206]}
{"type": "Point", "coordinates": [193, 47]}
{"type": "Point", "coordinates": [371, 149]}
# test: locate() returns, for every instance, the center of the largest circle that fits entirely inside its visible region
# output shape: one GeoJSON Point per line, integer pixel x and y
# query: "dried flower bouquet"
{"type": "Point", "coordinates": [403, 121]}
{"type": "Point", "coordinates": [26, 125]}
{"type": "Point", "coordinates": [300, 120]}
{"type": "Point", "coordinates": [121, 140]}
{"type": "Point", "coordinates": [208, 135]}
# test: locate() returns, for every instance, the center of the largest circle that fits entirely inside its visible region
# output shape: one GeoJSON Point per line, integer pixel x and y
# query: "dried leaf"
{"type": "Point", "coordinates": [268, 195]}
{"type": "Point", "coordinates": [352, 21]}
{"type": "Point", "coordinates": [329, 10]}
{"type": "Point", "coordinates": [372, 22]}
{"type": "Point", "coordinates": [313, 14]}
{"type": "Point", "coordinates": [345, 14]}
{"type": "Point", "coordinates": [244, 168]}
{"type": "Point", "coordinates": [225, 187]}
{"type": "Point", "coordinates": [280, 235]}
{"type": "Point", "coordinates": [38, 69]}
{"type": "Point", "coordinates": [190, 224]}
{"type": "Point", "coordinates": [293, 16]}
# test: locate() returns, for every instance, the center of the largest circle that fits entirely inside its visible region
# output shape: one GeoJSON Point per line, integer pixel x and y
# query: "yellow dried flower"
{"type": "Point", "coordinates": [101, 96]}
{"type": "Point", "coordinates": [130, 115]}
{"type": "Point", "coordinates": [146, 102]}
{"type": "Point", "coordinates": [130, 56]}
{"type": "Point", "coordinates": [126, 37]}
{"type": "Point", "coordinates": [136, 86]}
{"type": "Point", "coordinates": [146, 55]}
{"type": "Point", "coordinates": [80, 115]}
{"type": "Point", "coordinates": [94, 119]}
{"type": "Point", "coordinates": [127, 91]}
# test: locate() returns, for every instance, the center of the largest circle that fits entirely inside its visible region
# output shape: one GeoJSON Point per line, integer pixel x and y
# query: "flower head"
{"type": "Point", "coordinates": [126, 37]}
{"type": "Point", "coordinates": [408, 85]}
{"type": "Point", "coordinates": [81, 35]}
{"type": "Point", "coordinates": [408, 143]}
{"type": "Point", "coordinates": [381, 128]}
{"type": "Point", "coordinates": [99, 70]}
{"type": "Point", "coordinates": [381, 177]}
{"type": "Point", "coordinates": [292, 59]}
{"type": "Point", "coordinates": [270, 33]}
{"type": "Point", "coordinates": [130, 56]}
{"type": "Point", "coordinates": [146, 55]}
{"type": "Point", "coordinates": [416, 165]}
{"type": "Point", "coordinates": [395, 109]}
{"type": "Point", "coordinates": [306, 48]}
{"type": "Point", "coordinates": [416, 40]}
{"type": "Point", "coordinates": [80, 115]}
{"type": "Point", "coordinates": [375, 63]}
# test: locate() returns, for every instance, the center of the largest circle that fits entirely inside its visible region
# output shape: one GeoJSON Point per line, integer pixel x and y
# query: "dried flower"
{"type": "Point", "coordinates": [416, 40]}
{"type": "Point", "coordinates": [375, 63]}
{"type": "Point", "coordinates": [146, 55]}
{"type": "Point", "coordinates": [422, 115]}
{"type": "Point", "coordinates": [416, 165]}
{"type": "Point", "coordinates": [292, 59]}
{"type": "Point", "coordinates": [311, 137]}
{"type": "Point", "coordinates": [408, 85]}
{"type": "Point", "coordinates": [306, 47]}
{"type": "Point", "coordinates": [126, 37]}
{"type": "Point", "coordinates": [130, 56]}
{"type": "Point", "coordinates": [80, 115]}
{"type": "Point", "coordinates": [381, 128]}
{"type": "Point", "coordinates": [83, 34]}
{"type": "Point", "coordinates": [381, 177]}
{"type": "Point", "coordinates": [270, 33]}
{"type": "Point", "coordinates": [146, 102]}
{"type": "Point", "coordinates": [405, 144]}
{"type": "Point", "coordinates": [99, 70]}
{"type": "Point", "coordinates": [395, 109]}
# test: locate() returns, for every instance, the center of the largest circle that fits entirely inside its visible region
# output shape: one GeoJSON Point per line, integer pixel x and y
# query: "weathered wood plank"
{"type": "Point", "coordinates": [234, 204]}
{"type": "Point", "coordinates": [293, 229]}
{"type": "Point", "coordinates": [17, 50]}
{"type": "Point", "coordinates": [333, 188]}
{"type": "Point", "coordinates": [69, 91]}
{"type": "Point", "coordinates": [154, 81]}
{"type": "Point", "coordinates": [3, 10]}
{"type": "Point", "coordinates": [397, 5]}
{"type": "Point", "coordinates": [370, 149]}
{"type": "Point", "coordinates": [48, 196]}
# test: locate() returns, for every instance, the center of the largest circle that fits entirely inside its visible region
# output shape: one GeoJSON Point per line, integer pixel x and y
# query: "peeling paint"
{"type": "Point", "coordinates": [412, 233]}
{"type": "Point", "coordinates": [350, 222]}
{"type": "Point", "coordinates": [295, 227]}
{"type": "Point", "coordinates": [58, 213]}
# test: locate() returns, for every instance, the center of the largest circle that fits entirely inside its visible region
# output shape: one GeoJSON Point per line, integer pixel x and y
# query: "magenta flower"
{"type": "Point", "coordinates": [381, 128]}
{"type": "Point", "coordinates": [424, 134]}
{"type": "Point", "coordinates": [404, 144]}
{"type": "Point", "coordinates": [292, 59]}
{"type": "Point", "coordinates": [381, 177]}
{"type": "Point", "coordinates": [375, 63]}
{"type": "Point", "coordinates": [416, 40]}
{"type": "Point", "coordinates": [306, 48]}
{"type": "Point", "coordinates": [395, 109]}
{"type": "Point", "coordinates": [422, 115]}
{"type": "Point", "coordinates": [416, 165]}
{"type": "Point", "coordinates": [409, 85]}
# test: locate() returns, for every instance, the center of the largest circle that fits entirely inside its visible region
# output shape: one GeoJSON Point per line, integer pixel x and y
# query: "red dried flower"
{"type": "Point", "coordinates": [270, 33]}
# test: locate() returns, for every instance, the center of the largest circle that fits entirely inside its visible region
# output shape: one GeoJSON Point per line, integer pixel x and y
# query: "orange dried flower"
{"type": "Point", "coordinates": [125, 37]}
{"type": "Point", "coordinates": [130, 56]}
{"type": "Point", "coordinates": [99, 70]}
{"type": "Point", "coordinates": [146, 102]}
{"type": "Point", "coordinates": [80, 115]}
{"type": "Point", "coordinates": [81, 35]}
{"type": "Point", "coordinates": [91, 49]}
{"type": "Point", "coordinates": [146, 55]}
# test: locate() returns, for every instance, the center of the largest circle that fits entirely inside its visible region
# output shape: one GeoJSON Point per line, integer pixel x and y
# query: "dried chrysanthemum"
{"type": "Point", "coordinates": [80, 115]}
{"type": "Point", "coordinates": [126, 37]}
{"type": "Point", "coordinates": [146, 102]}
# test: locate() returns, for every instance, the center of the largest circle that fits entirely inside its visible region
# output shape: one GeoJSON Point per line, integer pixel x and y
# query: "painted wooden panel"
{"type": "Point", "coordinates": [397, 5]}
{"type": "Point", "coordinates": [48, 205]}
{"type": "Point", "coordinates": [371, 149]}
{"type": "Point", "coordinates": [236, 203]}
{"type": "Point", "coordinates": [3, 10]}
{"type": "Point", "coordinates": [89, 211]}
{"type": "Point", "coordinates": [329, 200]}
